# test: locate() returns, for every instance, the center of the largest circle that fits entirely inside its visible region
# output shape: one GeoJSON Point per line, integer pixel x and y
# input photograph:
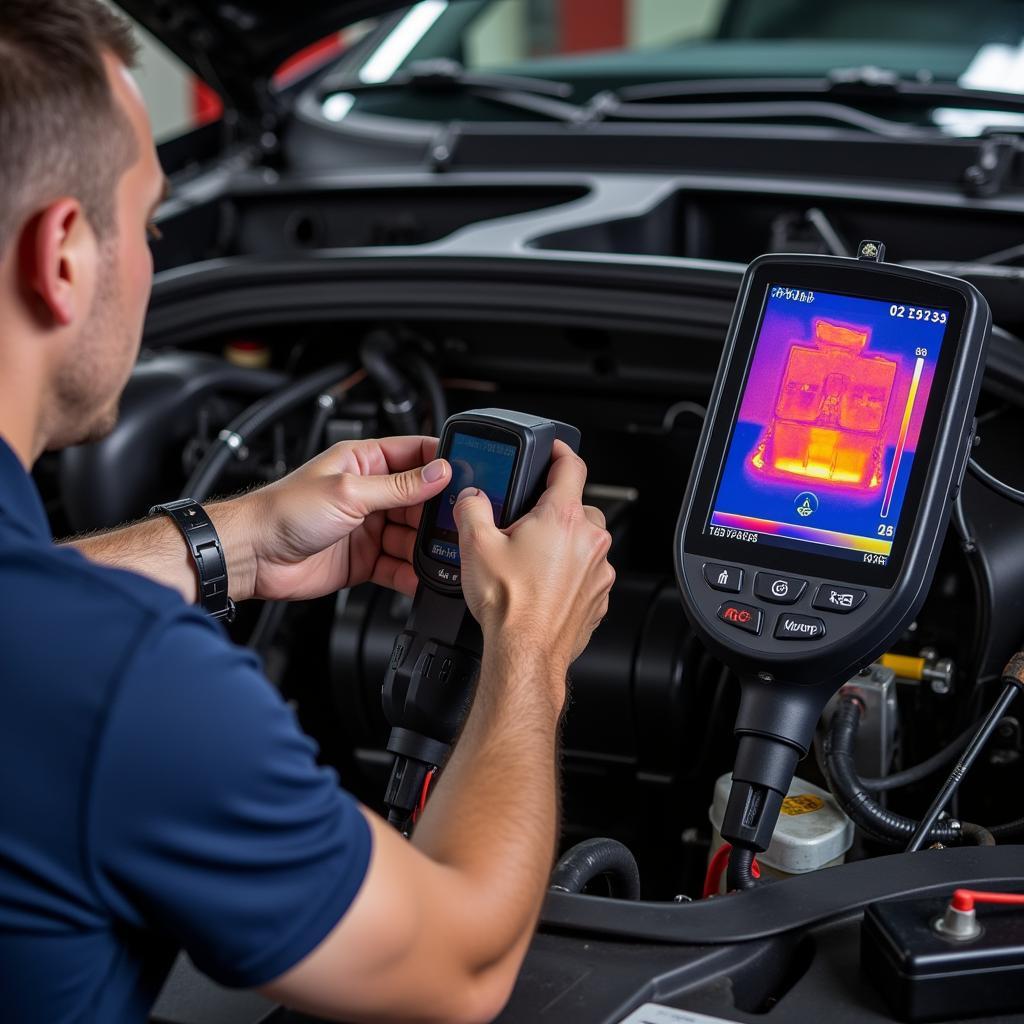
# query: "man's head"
{"type": "Point", "coordinates": [79, 182]}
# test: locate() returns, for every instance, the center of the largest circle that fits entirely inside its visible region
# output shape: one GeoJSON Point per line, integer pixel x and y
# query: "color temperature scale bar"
{"type": "Point", "coordinates": [811, 534]}
{"type": "Point", "coordinates": [902, 443]}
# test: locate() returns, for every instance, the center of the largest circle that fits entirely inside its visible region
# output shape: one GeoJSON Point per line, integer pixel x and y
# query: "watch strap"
{"type": "Point", "coordinates": [207, 553]}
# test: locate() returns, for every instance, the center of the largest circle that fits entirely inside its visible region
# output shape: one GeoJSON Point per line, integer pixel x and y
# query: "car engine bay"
{"type": "Point", "coordinates": [296, 310]}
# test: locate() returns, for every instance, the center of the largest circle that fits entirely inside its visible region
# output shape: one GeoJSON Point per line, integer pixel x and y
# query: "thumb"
{"type": "Point", "coordinates": [474, 516]}
{"type": "Point", "coordinates": [380, 492]}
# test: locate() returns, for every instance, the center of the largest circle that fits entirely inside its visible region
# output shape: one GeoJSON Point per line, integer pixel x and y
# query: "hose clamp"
{"type": "Point", "coordinates": [235, 442]}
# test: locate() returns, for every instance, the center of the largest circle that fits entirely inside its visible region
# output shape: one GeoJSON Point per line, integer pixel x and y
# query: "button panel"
{"type": "Point", "coordinates": [778, 589]}
{"type": "Point", "coordinates": [742, 616]}
{"type": "Point", "coordinates": [791, 626]}
{"type": "Point", "coordinates": [723, 577]}
{"type": "Point", "coordinates": [832, 597]}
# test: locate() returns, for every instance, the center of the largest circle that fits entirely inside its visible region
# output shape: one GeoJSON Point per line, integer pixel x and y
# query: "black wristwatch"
{"type": "Point", "coordinates": [207, 553]}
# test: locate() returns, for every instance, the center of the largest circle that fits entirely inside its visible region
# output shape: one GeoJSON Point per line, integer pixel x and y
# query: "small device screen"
{"type": "Point", "coordinates": [829, 421]}
{"type": "Point", "coordinates": [476, 462]}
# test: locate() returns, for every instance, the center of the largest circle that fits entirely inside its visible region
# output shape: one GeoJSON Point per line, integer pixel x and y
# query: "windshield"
{"type": "Point", "coordinates": [600, 45]}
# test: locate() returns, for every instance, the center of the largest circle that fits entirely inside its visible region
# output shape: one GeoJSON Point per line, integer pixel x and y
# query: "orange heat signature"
{"type": "Point", "coordinates": [829, 416]}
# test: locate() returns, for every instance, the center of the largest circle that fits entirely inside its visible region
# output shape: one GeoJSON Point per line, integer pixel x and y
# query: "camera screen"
{"type": "Point", "coordinates": [829, 421]}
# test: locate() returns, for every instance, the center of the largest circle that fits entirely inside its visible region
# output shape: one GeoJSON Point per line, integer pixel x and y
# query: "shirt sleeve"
{"type": "Point", "coordinates": [209, 819]}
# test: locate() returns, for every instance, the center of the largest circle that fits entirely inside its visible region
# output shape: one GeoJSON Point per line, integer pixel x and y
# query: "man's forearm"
{"type": "Point", "coordinates": [494, 814]}
{"type": "Point", "coordinates": [156, 548]}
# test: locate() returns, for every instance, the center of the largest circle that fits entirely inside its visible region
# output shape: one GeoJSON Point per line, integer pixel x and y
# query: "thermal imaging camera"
{"type": "Point", "coordinates": [436, 658]}
{"type": "Point", "coordinates": [836, 439]}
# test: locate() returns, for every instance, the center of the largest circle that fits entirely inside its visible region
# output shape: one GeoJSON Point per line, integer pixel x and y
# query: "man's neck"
{"type": "Point", "coordinates": [21, 411]}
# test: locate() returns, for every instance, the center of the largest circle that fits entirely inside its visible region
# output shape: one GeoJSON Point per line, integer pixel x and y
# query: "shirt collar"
{"type": "Point", "coordinates": [20, 502]}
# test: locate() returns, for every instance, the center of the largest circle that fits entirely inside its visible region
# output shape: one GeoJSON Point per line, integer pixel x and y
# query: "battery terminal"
{"type": "Point", "coordinates": [960, 921]}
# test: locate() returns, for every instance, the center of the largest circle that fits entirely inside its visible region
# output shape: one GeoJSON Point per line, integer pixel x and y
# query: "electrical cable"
{"type": "Point", "coordinates": [1013, 677]}
{"type": "Point", "coordinates": [273, 612]}
{"type": "Point", "coordinates": [995, 484]}
{"type": "Point", "coordinates": [245, 427]}
{"type": "Point", "coordinates": [421, 806]}
{"type": "Point", "coordinates": [917, 772]}
{"type": "Point", "coordinates": [964, 899]}
{"type": "Point", "coordinates": [967, 542]}
{"type": "Point", "coordinates": [717, 866]}
{"type": "Point", "coordinates": [867, 814]}
{"type": "Point", "coordinates": [740, 874]}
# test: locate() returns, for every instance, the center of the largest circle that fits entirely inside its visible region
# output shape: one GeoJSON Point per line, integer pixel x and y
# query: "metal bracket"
{"type": "Point", "coordinates": [876, 738]}
{"type": "Point", "coordinates": [988, 175]}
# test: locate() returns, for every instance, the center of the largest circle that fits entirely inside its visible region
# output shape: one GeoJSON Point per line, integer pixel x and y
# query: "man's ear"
{"type": "Point", "coordinates": [58, 262]}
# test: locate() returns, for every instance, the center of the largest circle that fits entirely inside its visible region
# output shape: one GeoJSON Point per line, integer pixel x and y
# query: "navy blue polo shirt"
{"type": "Point", "coordinates": [155, 792]}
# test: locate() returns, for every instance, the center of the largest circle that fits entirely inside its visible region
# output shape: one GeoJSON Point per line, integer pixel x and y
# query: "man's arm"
{"type": "Point", "coordinates": [155, 548]}
{"type": "Point", "coordinates": [347, 516]}
{"type": "Point", "coordinates": [440, 927]}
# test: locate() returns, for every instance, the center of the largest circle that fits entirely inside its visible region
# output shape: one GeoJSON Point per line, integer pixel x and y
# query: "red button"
{"type": "Point", "coordinates": [742, 616]}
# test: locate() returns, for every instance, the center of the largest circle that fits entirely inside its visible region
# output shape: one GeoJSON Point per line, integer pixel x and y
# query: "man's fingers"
{"type": "Point", "coordinates": [410, 516]}
{"type": "Point", "coordinates": [395, 574]}
{"type": "Point", "coordinates": [398, 541]}
{"type": "Point", "coordinates": [566, 477]}
{"type": "Point", "coordinates": [595, 515]}
{"type": "Point", "coordinates": [361, 495]}
{"type": "Point", "coordinates": [474, 515]}
{"type": "Point", "coordinates": [407, 452]}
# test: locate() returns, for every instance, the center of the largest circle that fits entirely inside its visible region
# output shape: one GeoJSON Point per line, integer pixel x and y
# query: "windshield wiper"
{"type": "Point", "coordinates": [609, 107]}
{"type": "Point", "coordinates": [876, 85]}
{"type": "Point", "coordinates": [443, 76]}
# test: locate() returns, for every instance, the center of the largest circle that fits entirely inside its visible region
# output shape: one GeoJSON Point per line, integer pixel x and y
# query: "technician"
{"type": "Point", "coordinates": [155, 792]}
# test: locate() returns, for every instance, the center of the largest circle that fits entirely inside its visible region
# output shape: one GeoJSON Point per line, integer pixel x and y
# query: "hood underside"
{"type": "Point", "coordinates": [236, 46]}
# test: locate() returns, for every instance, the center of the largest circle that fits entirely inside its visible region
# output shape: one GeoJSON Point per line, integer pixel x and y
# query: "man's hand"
{"type": "Point", "coordinates": [542, 584]}
{"type": "Point", "coordinates": [348, 516]}
{"type": "Point", "coordinates": [441, 924]}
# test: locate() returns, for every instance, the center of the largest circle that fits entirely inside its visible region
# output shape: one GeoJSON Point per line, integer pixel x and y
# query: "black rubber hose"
{"type": "Point", "coordinates": [273, 612]}
{"type": "Point", "coordinates": [1008, 829]}
{"type": "Point", "coordinates": [921, 771]}
{"type": "Point", "coordinates": [252, 422]}
{"type": "Point", "coordinates": [865, 812]}
{"type": "Point", "coordinates": [740, 873]}
{"type": "Point", "coordinates": [431, 384]}
{"type": "Point", "coordinates": [981, 835]}
{"type": "Point", "coordinates": [378, 353]}
{"type": "Point", "coordinates": [593, 857]}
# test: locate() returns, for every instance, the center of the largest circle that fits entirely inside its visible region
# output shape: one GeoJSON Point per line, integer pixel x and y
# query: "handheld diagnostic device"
{"type": "Point", "coordinates": [836, 439]}
{"type": "Point", "coordinates": [436, 658]}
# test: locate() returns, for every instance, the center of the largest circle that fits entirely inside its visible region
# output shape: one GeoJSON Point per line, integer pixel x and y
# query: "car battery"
{"type": "Point", "coordinates": [929, 972]}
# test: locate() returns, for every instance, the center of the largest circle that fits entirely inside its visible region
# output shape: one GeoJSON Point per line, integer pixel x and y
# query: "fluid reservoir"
{"type": "Point", "coordinates": [812, 831]}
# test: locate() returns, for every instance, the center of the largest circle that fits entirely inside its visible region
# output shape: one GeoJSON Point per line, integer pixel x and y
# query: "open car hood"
{"type": "Point", "coordinates": [236, 45]}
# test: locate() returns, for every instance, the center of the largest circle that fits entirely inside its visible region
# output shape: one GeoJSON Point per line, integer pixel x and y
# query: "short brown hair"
{"type": "Point", "coordinates": [61, 130]}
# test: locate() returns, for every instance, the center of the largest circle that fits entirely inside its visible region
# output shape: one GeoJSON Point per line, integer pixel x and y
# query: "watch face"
{"type": "Point", "coordinates": [836, 402]}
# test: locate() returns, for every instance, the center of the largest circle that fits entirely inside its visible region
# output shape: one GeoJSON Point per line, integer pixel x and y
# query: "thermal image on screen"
{"type": "Point", "coordinates": [475, 462]}
{"type": "Point", "coordinates": [829, 421]}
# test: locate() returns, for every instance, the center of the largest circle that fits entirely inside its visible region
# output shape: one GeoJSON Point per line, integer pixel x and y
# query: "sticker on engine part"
{"type": "Point", "coordinates": [655, 1013]}
{"type": "Point", "coordinates": [802, 803]}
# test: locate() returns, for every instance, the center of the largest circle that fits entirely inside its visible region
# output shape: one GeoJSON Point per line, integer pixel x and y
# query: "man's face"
{"type": "Point", "coordinates": [94, 370]}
